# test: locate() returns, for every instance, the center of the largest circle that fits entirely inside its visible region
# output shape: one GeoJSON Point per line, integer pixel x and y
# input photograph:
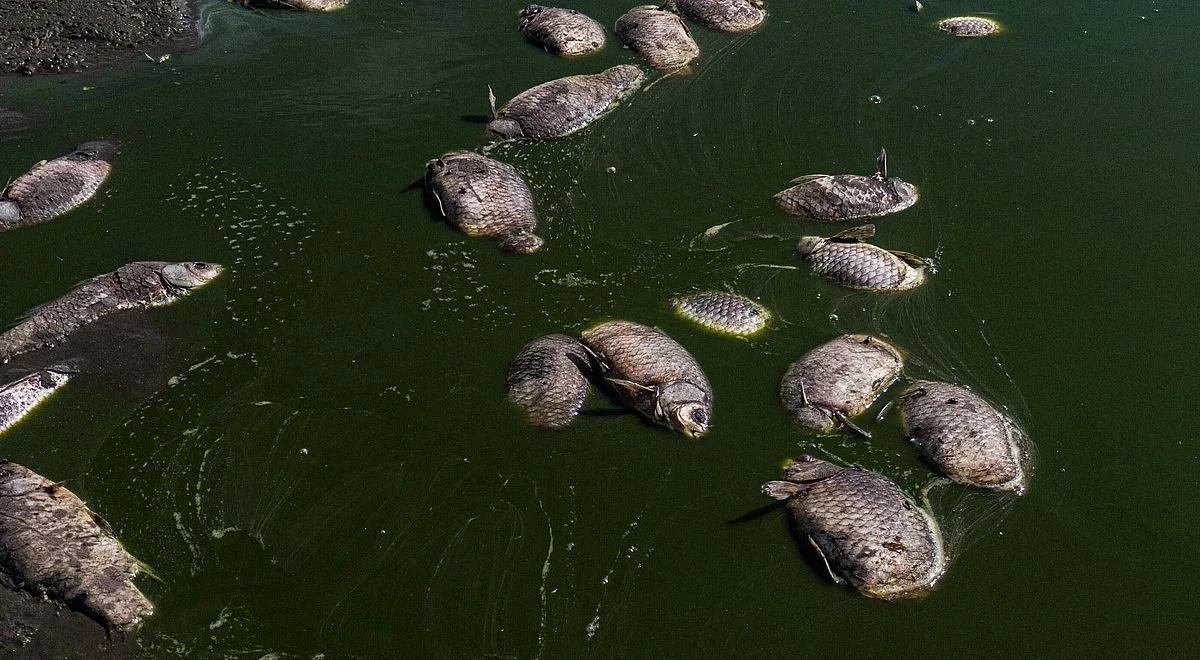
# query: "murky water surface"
{"type": "Point", "coordinates": [328, 467]}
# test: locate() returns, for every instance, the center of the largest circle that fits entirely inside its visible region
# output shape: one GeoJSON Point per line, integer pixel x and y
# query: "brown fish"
{"type": "Point", "coordinates": [562, 31]}
{"type": "Point", "coordinates": [54, 187]}
{"type": "Point", "coordinates": [485, 197]}
{"type": "Point", "coordinates": [561, 107]}
{"type": "Point", "coordinates": [548, 380]}
{"type": "Point", "coordinates": [659, 36]}
{"type": "Point", "coordinates": [839, 380]}
{"type": "Point", "coordinates": [848, 260]}
{"type": "Point", "coordinates": [837, 197]}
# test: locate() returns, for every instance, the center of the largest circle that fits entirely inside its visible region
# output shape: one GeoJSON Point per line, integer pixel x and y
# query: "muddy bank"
{"type": "Point", "coordinates": [61, 36]}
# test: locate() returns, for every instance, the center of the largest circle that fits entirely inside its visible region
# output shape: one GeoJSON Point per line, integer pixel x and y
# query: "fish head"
{"type": "Point", "coordinates": [808, 469]}
{"type": "Point", "coordinates": [188, 275]}
{"type": "Point", "coordinates": [94, 150]}
{"type": "Point", "coordinates": [435, 167]}
{"type": "Point", "coordinates": [685, 408]}
{"type": "Point", "coordinates": [521, 241]}
{"type": "Point", "coordinates": [626, 76]}
{"type": "Point", "coordinates": [505, 128]}
{"type": "Point", "coordinates": [904, 191]}
{"type": "Point", "coordinates": [807, 245]}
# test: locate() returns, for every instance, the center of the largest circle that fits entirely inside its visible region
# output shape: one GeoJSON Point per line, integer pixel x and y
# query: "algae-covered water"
{"type": "Point", "coordinates": [326, 466]}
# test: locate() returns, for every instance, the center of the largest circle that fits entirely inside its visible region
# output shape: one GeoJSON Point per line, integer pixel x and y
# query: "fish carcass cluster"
{"type": "Point", "coordinates": [865, 528]}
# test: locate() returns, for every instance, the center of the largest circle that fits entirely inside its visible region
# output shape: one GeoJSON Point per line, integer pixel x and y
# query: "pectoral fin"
{"type": "Point", "coordinates": [854, 234]}
{"type": "Point", "coordinates": [781, 490]}
{"type": "Point", "coordinates": [630, 386]}
{"type": "Point", "coordinates": [911, 259]}
{"type": "Point", "coordinates": [821, 553]}
{"type": "Point", "coordinates": [841, 417]}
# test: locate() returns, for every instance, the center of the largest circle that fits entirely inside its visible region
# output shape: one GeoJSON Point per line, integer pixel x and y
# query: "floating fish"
{"type": "Point", "coordinates": [836, 197]}
{"type": "Point", "coordinates": [847, 260]}
{"type": "Point", "coordinates": [485, 197]}
{"type": "Point", "coordinates": [658, 36]}
{"type": "Point", "coordinates": [561, 107]}
{"type": "Point", "coordinates": [562, 31]}
{"type": "Point", "coordinates": [21, 396]}
{"type": "Point", "coordinates": [969, 26]}
{"type": "Point", "coordinates": [54, 187]}
{"type": "Point", "coordinates": [839, 380]}
{"type": "Point", "coordinates": [726, 15]}
{"type": "Point", "coordinates": [723, 312]}
{"type": "Point", "coordinates": [548, 380]}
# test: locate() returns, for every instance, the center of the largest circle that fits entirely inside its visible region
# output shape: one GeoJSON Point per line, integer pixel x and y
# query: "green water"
{"type": "Point", "coordinates": [333, 470]}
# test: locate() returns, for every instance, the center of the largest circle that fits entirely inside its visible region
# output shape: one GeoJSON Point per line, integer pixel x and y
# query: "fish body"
{"type": "Point", "coordinates": [964, 436]}
{"type": "Point", "coordinates": [653, 374]}
{"type": "Point", "coordinates": [12, 121]}
{"type": "Point", "coordinates": [726, 15]}
{"type": "Point", "coordinates": [837, 197]}
{"type": "Point", "coordinates": [847, 260]}
{"type": "Point", "coordinates": [21, 396]}
{"type": "Point", "coordinates": [53, 545]}
{"type": "Point", "coordinates": [563, 106]}
{"type": "Point", "coordinates": [297, 5]}
{"type": "Point", "coordinates": [658, 36]}
{"type": "Point", "coordinates": [136, 285]}
{"type": "Point", "coordinates": [838, 380]}
{"type": "Point", "coordinates": [485, 197]}
{"type": "Point", "coordinates": [969, 26]}
{"type": "Point", "coordinates": [54, 187]}
{"type": "Point", "coordinates": [562, 31]}
{"type": "Point", "coordinates": [723, 312]}
{"type": "Point", "coordinates": [865, 528]}
{"type": "Point", "coordinates": [547, 380]}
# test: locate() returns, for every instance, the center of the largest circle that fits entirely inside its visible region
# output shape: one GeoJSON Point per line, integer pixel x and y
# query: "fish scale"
{"type": "Point", "coordinates": [53, 187]}
{"type": "Point", "coordinates": [866, 528]}
{"type": "Point", "coordinates": [658, 36]}
{"type": "Point", "coordinates": [21, 396]}
{"type": "Point", "coordinates": [563, 106]}
{"type": "Point", "coordinates": [864, 266]}
{"type": "Point", "coordinates": [964, 436]}
{"type": "Point", "coordinates": [968, 26]}
{"type": "Point", "coordinates": [725, 312]}
{"type": "Point", "coordinates": [485, 197]}
{"type": "Point", "coordinates": [547, 382]}
{"type": "Point", "coordinates": [727, 15]}
{"type": "Point", "coordinates": [562, 31]}
{"type": "Point", "coordinates": [843, 376]}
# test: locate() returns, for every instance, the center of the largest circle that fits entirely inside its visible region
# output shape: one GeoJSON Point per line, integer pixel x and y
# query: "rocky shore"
{"type": "Point", "coordinates": [63, 36]}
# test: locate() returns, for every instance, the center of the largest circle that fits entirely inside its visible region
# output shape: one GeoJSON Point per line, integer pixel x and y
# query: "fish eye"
{"type": "Point", "coordinates": [699, 417]}
{"type": "Point", "coordinates": [201, 265]}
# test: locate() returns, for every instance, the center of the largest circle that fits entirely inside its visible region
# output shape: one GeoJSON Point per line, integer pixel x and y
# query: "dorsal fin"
{"type": "Point", "coordinates": [854, 234]}
{"type": "Point", "coordinates": [806, 177]}
{"type": "Point", "coordinates": [881, 165]}
{"type": "Point", "coordinates": [492, 102]}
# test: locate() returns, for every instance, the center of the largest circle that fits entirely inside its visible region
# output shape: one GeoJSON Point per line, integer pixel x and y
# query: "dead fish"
{"type": "Point", "coordinates": [726, 15]}
{"type": "Point", "coordinates": [847, 260]}
{"type": "Point", "coordinates": [54, 546]}
{"type": "Point", "coordinates": [964, 436]}
{"type": "Point", "coordinates": [21, 396]}
{"type": "Point", "coordinates": [969, 26]}
{"type": "Point", "coordinates": [136, 285]}
{"type": "Point", "coordinates": [839, 380]}
{"type": "Point", "coordinates": [562, 31]}
{"type": "Point", "coordinates": [484, 197]}
{"type": "Point", "coordinates": [658, 36]}
{"type": "Point", "coordinates": [835, 197]}
{"type": "Point", "coordinates": [54, 187]}
{"type": "Point", "coordinates": [296, 5]}
{"type": "Point", "coordinates": [723, 312]}
{"type": "Point", "coordinates": [653, 374]}
{"type": "Point", "coordinates": [864, 527]}
{"type": "Point", "coordinates": [561, 107]}
{"type": "Point", "coordinates": [12, 121]}
{"type": "Point", "coordinates": [548, 381]}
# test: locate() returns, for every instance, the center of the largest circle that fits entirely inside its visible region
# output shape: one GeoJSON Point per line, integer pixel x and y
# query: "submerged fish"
{"type": "Point", "coordinates": [727, 15]}
{"type": "Point", "coordinates": [724, 312]}
{"type": "Point", "coordinates": [298, 5]}
{"type": "Point", "coordinates": [139, 284]}
{"type": "Point", "coordinates": [562, 31]}
{"type": "Point", "coordinates": [21, 396]}
{"type": "Point", "coordinates": [53, 545]}
{"type": "Point", "coordinates": [12, 121]}
{"type": "Point", "coordinates": [847, 260]}
{"type": "Point", "coordinates": [561, 107]}
{"type": "Point", "coordinates": [547, 380]}
{"type": "Point", "coordinates": [658, 36]}
{"type": "Point", "coordinates": [964, 436]}
{"type": "Point", "coordinates": [485, 197]}
{"type": "Point", "coordinates": [969, 26]}
{"type": "Point", "coordinates": [835, 197]}
{"type": "Point", "coordinates": [839, 380]}
{"type": "Point", "coordinates": [54, 187]}
{"type": "Point", "coordinates": [863, 526]}
{"type": "Point", "coordinates": [653, 374]}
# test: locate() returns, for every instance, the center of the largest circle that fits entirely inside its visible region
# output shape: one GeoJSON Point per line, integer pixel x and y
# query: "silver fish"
{"type": "Point", "coordinates": [723, 312]}
{"type": "Point", "coordinates": [839, 380]}
{"type": "Point", "coordinates": [54, 187]}
{"type": "Point", "coordinates": [53, 545]}
{"type": "Point", "coordinates": [548, 380]}
{"type": "Point", "coordinates": [20, 397]}
{"type": "Point", "coordinates": [653, 374]}
{"type": "Point", "coordinates": [561, 107]}
{"type": "Point", "coordinates": [965, 437]}
{"type": "Point", "coordinates": [485, 197]}
{"type": "Point", "coordinates": [562, 31]}
{"type": "Point", "coordinates": [837, 197]}
{"type": "Point", "coordinates": [136, 285]}
{"type": "Point", "coordinates": [969, 26]}
{"type": "Point", "coordinates": [863, 526]}
{"type": "Point", "coordinates": [847, 260]}
{"type": "Point", "coordinates": [658, 36]}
